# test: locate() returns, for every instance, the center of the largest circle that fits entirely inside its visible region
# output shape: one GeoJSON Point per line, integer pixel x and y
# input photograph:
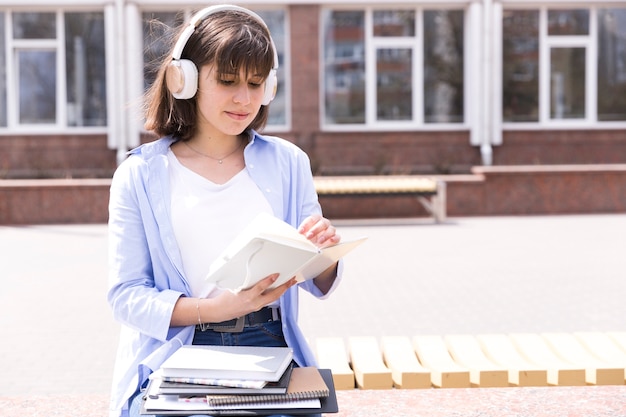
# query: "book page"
{"type": "Point", "coordinates": [267, 246]}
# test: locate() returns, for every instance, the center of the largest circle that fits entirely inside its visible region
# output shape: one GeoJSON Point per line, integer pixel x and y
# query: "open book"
{"type": "Point", "coordinates": [269, 245]}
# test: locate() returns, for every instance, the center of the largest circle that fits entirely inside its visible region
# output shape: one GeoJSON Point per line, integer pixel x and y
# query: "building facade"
{"type": "Point", "coordinates": [427, 87]}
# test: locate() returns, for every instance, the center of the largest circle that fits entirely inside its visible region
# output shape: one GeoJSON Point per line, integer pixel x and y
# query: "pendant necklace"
{"type": "Point", "coordinates": [219, 160]}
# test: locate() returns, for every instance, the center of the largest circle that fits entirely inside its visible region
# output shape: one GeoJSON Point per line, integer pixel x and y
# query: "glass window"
{"type": "Point", "coordinates": [394, 95]}
{"type": "Point", "coordinates": [443, 66]}
{"type": "Point", "coordinates": [567, 83]}
{"type": "Point", "coordinates": [568, 22]}
{"type": "Point", "coordinates": [85, 69]}
{"type": "Point", "coordinates": [611, 64]}
{"type": "Point", "coordinates": [520, 66]}
{"type": "Point", "coordinates": [344, 72]}
{"type": "Point", "coordinates": [394, 23]}
{"type": "Point", "coordinates": [3, 75]}
{"type": "Point", "coordinates": [405, 79]}
{"type": "Point", "coordinates": [34, 25]}
{"type": "Point", "coordinates": [38, 41]}
{"type": "Point", "coordinates": [37, 84]}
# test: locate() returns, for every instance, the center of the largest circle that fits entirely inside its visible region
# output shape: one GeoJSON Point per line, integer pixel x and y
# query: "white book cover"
{"type": "Point", "coordinates": [256, 363]}
{"type": "Point", "coordinates": [269, 245]}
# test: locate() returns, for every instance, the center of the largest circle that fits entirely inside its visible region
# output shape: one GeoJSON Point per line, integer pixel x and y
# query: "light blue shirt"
{"type": "Point", "coordinates": [146, 275]}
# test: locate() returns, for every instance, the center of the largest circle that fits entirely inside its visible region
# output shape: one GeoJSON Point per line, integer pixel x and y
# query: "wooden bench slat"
{"type": "Point", "coordinates": [423, 188]}
{"type": "Point", "coordinates": [374, 184]}
{"type": "Point", "coordinates": [406, 371]}
{"type": "Point", "coordinates": [500, 349]}
{"type": "Point", "coordinates": [597, 372]}
{"type": "Point", "coordinates": [602, 347]}
{"type": "Point", "coordinates": [534, 348]}
{"type": "Point", "coordinates": [367, 362]}
{"type": "Point", "coordinates": [619, 338]}
{"type": "Point", "coordinates": [332, 354]}
{"type": "Point", "coordinates": [444, 372]}
{"type": "Point", "coordinates": [466, 351]}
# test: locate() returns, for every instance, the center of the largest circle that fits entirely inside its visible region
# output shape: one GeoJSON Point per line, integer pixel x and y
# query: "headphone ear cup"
{"type": "Point", "coordinates": [271, 85]}
{"type": "Point", "coordinates": [181, 78]}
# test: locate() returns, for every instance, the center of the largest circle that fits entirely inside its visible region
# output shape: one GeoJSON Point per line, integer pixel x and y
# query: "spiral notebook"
{"type": "Point", "coordinates": [305, 384]}
{"type": "Point", "coordinates": [171, 405]}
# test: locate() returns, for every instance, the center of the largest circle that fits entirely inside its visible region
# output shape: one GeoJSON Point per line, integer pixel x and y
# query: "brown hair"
{"type": "Point", "coordinates": [231, 40]}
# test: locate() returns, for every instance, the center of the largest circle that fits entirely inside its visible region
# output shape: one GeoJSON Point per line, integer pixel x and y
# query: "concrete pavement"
{"type": "Point", "coordinates": [470, 276]}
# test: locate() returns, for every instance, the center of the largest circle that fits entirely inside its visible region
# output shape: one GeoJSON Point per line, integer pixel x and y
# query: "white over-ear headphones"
{"type": "Point", "coordinates": [181, 75]}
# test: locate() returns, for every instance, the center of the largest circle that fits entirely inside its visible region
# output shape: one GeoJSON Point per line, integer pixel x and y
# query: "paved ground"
{"type": "Point", "coordinates": [470, 275]}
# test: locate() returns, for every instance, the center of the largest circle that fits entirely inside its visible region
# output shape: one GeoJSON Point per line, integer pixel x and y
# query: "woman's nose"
{"type": "Point", "coordinates": [242, 95]}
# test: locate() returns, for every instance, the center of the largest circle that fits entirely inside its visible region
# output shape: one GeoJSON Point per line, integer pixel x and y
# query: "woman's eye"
{"type": "Point", "coordinates": [227, 82]}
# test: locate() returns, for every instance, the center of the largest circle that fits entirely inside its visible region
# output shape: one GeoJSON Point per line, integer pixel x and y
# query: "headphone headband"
{"type": "Point", "coordinates": [182, 74]}
{"type": "Point", "coordinates": [197, 18]}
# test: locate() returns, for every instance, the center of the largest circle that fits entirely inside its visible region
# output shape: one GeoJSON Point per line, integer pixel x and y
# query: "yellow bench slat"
{"type": "Point", "coordinates": [466, 351]}
{"type": "Point", "coordinates": [406, 371]}
{"type": "Point", "coordinates": [332, 354]}
{"type": "Point", "coordinates": [444, 372]}
{"type": "Point", "coordinates": [597, 372]}
{"type": "Point", "coordinates": [500, 349]}
{"type": "Point", "coordinates": [560, 372]}
{"type": "Point", "coordinates": [369, 370]}
{"type": "Point", "coordinates": [374, 184]}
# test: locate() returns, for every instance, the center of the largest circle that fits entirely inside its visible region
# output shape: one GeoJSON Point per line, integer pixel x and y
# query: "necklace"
{"type": "Point", "coordinates": [219, 160]}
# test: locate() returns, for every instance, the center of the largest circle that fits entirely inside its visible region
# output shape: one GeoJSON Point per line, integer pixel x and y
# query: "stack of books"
{"type": "Point", "coordinates": [238, 380]}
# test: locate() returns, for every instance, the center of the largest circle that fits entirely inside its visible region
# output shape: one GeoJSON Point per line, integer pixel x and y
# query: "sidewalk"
{"type": "Point", "coordinates": [470, 275]}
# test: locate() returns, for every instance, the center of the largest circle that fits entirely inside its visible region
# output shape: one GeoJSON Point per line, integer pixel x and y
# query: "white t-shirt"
{"type": "Point", "coordinates": [206, 217]}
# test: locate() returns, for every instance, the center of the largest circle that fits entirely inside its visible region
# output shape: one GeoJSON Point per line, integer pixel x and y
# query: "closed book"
{"type": "Point", "coordinates": [197, 388]}
{"type": "Point", "coordinates": [305, 384]}
{"type": "Point", "coordinates": [257, 363]}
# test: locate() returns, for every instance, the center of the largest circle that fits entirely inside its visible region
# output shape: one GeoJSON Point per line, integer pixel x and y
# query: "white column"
{"type": "Point", "coordinates": [473, 79]}
{"type": "Point", "coordinates": [133, 74]}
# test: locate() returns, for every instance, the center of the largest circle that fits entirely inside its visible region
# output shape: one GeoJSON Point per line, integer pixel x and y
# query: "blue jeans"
{"type": "Point", "coordinates": [267, 334]}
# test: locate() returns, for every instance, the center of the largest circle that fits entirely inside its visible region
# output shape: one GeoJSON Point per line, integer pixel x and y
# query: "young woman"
{"type": "Point", "coordinates": [177, 202]}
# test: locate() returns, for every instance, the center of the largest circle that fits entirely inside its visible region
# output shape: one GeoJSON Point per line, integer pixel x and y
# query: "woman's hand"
{"type": "Point", "coordinates": [260, 294]}
{"type": "Point", "coordinates": [228, 305]}
{"type": "Point", "coordinates": [319, 230]}
{"type": "Point", "coordinates": [322, 233]}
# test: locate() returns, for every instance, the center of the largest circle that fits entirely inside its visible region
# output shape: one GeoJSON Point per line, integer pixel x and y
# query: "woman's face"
{"type": "Point", "coordinates": [227, 103]}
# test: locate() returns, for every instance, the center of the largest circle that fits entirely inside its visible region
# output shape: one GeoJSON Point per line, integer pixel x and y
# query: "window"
{"type": "Point", "coordinates": [393, 67]}
{"type": "Point", "coordinates": [611, 94]}
{"type": "Point", "coordinates": [160, 26]}
{"type": "Point", "coordinates": [47, 92]}
{"type": "Point", "coordinates": [550, 73]}
{"type": "Point", "coordinates": [3, 74]}
{"type": "Point", "coordinates": [520, 65]}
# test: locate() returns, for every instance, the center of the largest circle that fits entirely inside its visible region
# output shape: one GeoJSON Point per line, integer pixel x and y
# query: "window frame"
{"type": "Point", "coordinates": [14, 46]}
{"type": "Point", "coordinates": [546, 44]}
{"type": "Point", "coordinates": [416, 45]}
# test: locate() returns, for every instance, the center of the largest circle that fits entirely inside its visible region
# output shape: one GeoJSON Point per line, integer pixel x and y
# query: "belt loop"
{"type": "Point", "coordinates": [275, 313]}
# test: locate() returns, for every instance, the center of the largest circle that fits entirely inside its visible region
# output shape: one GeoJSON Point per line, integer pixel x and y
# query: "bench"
{"type": "Point", "coordinates": [430, 192]}
{"type": "Point", "coordinates": [475, 361]}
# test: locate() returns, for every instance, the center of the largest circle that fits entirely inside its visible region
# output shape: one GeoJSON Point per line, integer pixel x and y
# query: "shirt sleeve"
{"type": "Point", "coordinates": [133, 294]}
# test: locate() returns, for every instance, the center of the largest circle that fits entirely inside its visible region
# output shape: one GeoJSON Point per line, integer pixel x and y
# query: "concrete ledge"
{"type": "Point", "coordinates": [551, 189]}
{"type": "Point", "coordinates": [597, 401]}
{"type": "Point", "coordinates": [487, 191]}
{"type": "Point", "coordinates": [54, 201]}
